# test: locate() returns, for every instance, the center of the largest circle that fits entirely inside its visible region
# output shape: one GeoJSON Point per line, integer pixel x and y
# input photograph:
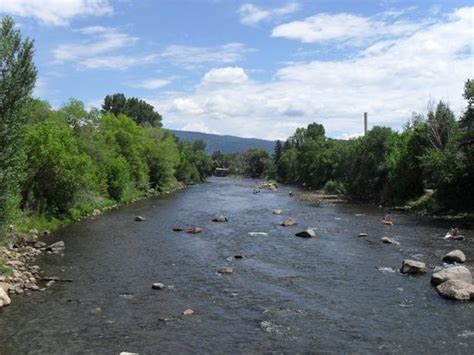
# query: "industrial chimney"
{"type": "Point", "coordinates": [365, 123]}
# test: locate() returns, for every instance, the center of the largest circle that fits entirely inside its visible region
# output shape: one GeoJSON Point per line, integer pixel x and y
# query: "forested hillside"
{"type": "Point", "coordinates": [225, 143]}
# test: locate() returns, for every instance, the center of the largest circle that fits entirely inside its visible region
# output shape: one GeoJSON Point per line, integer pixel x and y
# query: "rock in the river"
{"type": "Point", "coordinates": [225, 270]}
{"type": "Point", "coordinates": [194, 230]}
{"type": "Point", "coordinates": [140, 219]}
{"type": "Point", "coordinates": [56, 247]}
{"type": "Point", "coordinates": [388, 240]}
{"type": "Point", "coordinates": [238, 256]}
{"type": "Point", "coordinates": [277, 212]}
{"type": "Point", "coordinates": [39, 245]}
{"type": "Point", "coordinates": [459, 273]}
{"type": "Point", "coordinates": [412, 267]}
{"type": "Point", "coordinates": [362, 235]}
{"type": "Point", "coordinates": [4, 299]}
{"type": "Point", "coordinates": [158, 286]}
{"type": "Point", "coordinates": [455, 256]}
{"type": "Point", "coordinates": [178, 229]}
{"type": "Point", "coordinates": [288, 222]}
{"type": "Point", "coordinates": [188, 312]}
{"type": "Point", "coordinates": [308, 233]}
{"type": "Point", "coordinates": [456, 289]}
{"type": "Point", "coordinates": [220, 218]}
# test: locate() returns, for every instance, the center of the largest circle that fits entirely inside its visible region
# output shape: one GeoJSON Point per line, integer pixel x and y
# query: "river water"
{"type": "Point", "coordinates": [336, 293]}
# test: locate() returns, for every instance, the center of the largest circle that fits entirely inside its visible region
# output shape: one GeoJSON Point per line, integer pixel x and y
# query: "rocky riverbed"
{"type": "Point", "coordinates": [248, 284]}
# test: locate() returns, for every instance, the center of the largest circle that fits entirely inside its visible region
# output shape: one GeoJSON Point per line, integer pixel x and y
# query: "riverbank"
{"type": "Point", "coordinates": [19, 273]}
{"type": "Point", "coordinates": [424, 206]}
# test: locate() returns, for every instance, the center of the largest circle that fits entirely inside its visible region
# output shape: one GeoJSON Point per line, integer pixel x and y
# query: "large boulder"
{"type": "Point", "coordinates": [455, 256]}
{"type": "Point", "coordinates": [308, 233]}
{"type": "Point", "coordinates": [458, 273]}
{"type": "Point", "coordinates": [288, 222]}
{"type": "Point", "coordinates": [4, 299]}
{"type": "Point", "coordinates": [220, 218]}
{"type": "Point", "coordinates": [412, 267]}
{"type": "Point", "coordinates": [456, 289]}
{"type": "Point", "coordinates": [56, 247]}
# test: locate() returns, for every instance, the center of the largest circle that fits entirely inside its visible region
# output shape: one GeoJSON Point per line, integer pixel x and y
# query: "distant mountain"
{"type": "Point", "coordinates": [226, 144]}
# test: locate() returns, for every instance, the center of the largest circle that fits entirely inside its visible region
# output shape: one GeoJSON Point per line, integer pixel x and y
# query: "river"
{"type": "Point", "coordinates": [336, 293]}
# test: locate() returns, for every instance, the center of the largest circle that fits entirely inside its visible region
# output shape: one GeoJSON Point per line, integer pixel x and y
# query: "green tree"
{"type": "Point", "coordinates": [140, 111]}
{"type": "Point", "coordinates": [256, 162]}
{"type": "Point", "coordinates": [17, 80]}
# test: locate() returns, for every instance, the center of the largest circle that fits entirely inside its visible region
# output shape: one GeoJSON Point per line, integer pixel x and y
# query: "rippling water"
{"type": "Point", "coordinates": [335, 293]}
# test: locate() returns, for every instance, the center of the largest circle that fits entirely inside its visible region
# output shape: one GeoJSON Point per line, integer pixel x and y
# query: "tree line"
{"type": "Point", "coordinates": [60, 164]}
{"type": "Point", "coordinates": [429, 164]}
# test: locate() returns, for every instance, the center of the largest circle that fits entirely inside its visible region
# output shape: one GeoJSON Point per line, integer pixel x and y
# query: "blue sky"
{"type": "Point", "coordinates": [254, 69]}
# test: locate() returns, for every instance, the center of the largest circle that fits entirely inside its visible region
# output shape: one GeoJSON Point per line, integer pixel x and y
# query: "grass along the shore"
{"type": "Point", "coordinates": [41, 223]}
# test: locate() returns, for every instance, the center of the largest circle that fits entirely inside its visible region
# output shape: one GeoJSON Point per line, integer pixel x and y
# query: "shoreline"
{"type": "Point", "coordinates": [19, 272]}
{"type": "Point", "coordinates": [320, 196]}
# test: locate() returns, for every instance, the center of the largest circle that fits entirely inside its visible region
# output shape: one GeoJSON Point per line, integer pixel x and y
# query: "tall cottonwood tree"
{"type": "Point", "coordinates": [17, 80]}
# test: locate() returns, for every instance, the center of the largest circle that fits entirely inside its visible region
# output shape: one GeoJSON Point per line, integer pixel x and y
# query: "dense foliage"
{"type": "Point", "coordinates": [17, 79]}
{"type": "Point", "coordinates": [433, 153]}
{"type": "Point", "coordinates": [140, 111]}
{"type": "Point", "coordinates": [58, 164]}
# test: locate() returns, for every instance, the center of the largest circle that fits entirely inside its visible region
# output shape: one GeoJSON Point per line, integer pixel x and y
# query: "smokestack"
{"type": "Point", "coordinates": [365, 123]}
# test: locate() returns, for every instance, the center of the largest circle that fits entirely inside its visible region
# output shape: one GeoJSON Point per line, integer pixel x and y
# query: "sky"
{"type": "Point", "coordinates": [255, 69]}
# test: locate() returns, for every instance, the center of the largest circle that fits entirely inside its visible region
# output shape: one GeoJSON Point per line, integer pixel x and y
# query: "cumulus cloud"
{"type": "Point", "coordinates": [56, 12]}
{"type": "Point", "coordinates": [226, 76]}
{"type": "Point", "coordinates": [353, 29]}
{"type": "Point", "coordinates": [251, 14]}
{"type": "Point", "coordinates": [389, 79]}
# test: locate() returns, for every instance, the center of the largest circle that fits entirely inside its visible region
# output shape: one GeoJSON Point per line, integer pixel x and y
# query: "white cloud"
{"type": "Point", "coordinates": [389, 79]}
{"type": "Point", "coordinates": [251, 14]}
{"type": "Point", "coordinates": [226, 76]}
{"type": "Point", "coordinates": [104, 39]}
{"type": "Point", "coordinates": [190, 57]}
{"type": "Point", "coordinates": [56, 12]}
{"type": "Point", "coordinates": [350, 28]}
{"type": "Point", "coordinates": [95, 51]}
{"type": "Point", "coordinates": [154, 83]}
{"type": "Point", "coordinates": [119, 62]}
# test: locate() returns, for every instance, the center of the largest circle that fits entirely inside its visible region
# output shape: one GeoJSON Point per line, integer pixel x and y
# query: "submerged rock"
{"type": "Point", "coordinates": [238, 256]}
{"type": "Point", "coordinates": [308, 233]}
{"type": "Point", "coordinates": [288, 222]}
{"type": "Point", "coordinates": [220, 218]}
{"type": "Point", "coordinates": [277, 212]}
{"type": "Point", "coordinates": [456, 289]}
{"type": "Point", "coordinates": [253, 234]}
{"type": "Point", "coordinates": [458, 273]}
{"type": "Point", "coordinates": [362, 235]}
{"type": "Point", "coordinates": [140, 219]}
{"type": "Point", "coordinates": [225, 270]}
{"type": "Point", "coordinates": [56, 247]}
{"type": "Point", "coordinates": [387, 240]}
{"type": "Point", "coordinates": [178, 229]}
{"type": "Point", "coordinates": [193, 230]}
{"type": "Point", "coordinates": [412, 267]}
{"type": "Point", "coordinates": [455, 256]}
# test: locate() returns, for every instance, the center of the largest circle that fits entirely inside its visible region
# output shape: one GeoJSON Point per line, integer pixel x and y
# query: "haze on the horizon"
{"type": "Point", "coordinates": [254, 69]}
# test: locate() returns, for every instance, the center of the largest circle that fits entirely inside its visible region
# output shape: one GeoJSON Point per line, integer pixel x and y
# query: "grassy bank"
{"type": "Point", "coordinates": [40, 223]}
